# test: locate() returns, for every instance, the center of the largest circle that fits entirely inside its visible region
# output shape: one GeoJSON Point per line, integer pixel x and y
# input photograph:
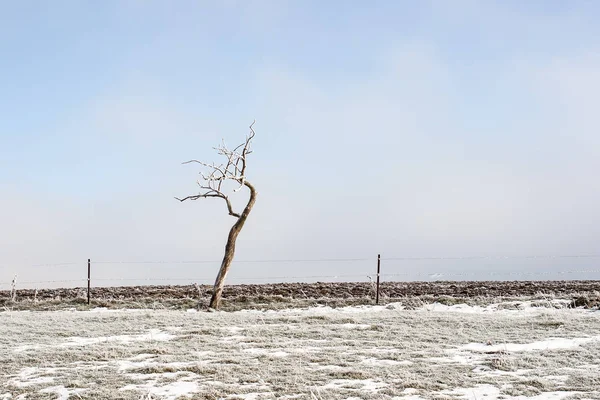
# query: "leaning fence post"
{"type": "Point", "coordinates": [89, 281]}
{"type": "Point", "coordinates": [378, 270]}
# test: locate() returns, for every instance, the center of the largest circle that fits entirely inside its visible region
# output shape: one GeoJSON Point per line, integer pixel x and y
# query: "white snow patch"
{"type": "Point", "coordinates": [367, 385]}
{"type": "Point", "coordinates": [377, 361]}
{"type": "Point", "coordinates": [460, 308]}
{"type": "Point", "coordinates": [266, 352]}
{"type": "Point", "coordinates": [410, 391]}
{"type": "Point", "coordinates": [233, 329]}
{"type": "Point", "coordinates": [250, 396]}
{"type": "Point", "coordinates": [318, 310]}
{"type": "Point", "coordinates": [509, 307]}
{"type": "Point", "coordinates": [153, 378]}
{"type": "Point", "coordinates": [549, 344]}
{"type": "Point", "coordinates": [356, 326]}
{"type": "Point", "coordinates": [306, 349]}
{"type": "Point", "coordinates": [475, 353]}
{"type": "Point", "coordinates": [409, 394]}
{"type": "Point", "coordinates": [381, 350]}
{"type": "Point", "coordinates": [25, 347]}
{"type": "Point", "coordinates": [558, 379]}
{"type": "Point", "coordinates": [31, 376]}
{"type": "Point", "coordinates": [170, 391]}
{"type": "Point", "coordinates": [485, 370]}
{"type": "Point", "coordinates": [318, 367]}
{"type": "Point", "coordinates": [234, 338]}
{"type": "Point", "coordinates": [490, 392]}
{"type": "Point", "coordinates": [117, 310]}
{"type": "Point", "coordinates": [153, 335]}
{"type": "Point", "coordinates": [62, 392]}
{"type": "Point", "coordinates": [467, 359]}
{"type": "Point", "coordinates": [74, 341]}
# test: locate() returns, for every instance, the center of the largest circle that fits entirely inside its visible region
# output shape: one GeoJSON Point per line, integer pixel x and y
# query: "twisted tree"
{"type": "Point", "coordinates": [212, 185]}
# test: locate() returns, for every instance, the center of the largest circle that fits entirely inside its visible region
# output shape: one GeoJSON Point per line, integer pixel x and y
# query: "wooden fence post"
{"type": "Point", "coordinates": [378, 270]}
{"type": "Point", "coordinates": [89, 281]}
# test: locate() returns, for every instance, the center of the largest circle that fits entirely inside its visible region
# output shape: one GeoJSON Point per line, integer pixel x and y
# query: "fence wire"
{"type": "Point", "coordinates": [307, 260]}
{"type": "Point", "coordinates": [365, 276]}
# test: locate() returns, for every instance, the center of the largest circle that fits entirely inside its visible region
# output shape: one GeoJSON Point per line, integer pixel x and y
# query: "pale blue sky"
{"type": "Point", "coordinates": [426, 128]}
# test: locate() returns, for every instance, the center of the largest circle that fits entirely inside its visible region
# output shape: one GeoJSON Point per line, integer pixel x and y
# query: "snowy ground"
{"type": "Point", "coordinates": [502, 351]}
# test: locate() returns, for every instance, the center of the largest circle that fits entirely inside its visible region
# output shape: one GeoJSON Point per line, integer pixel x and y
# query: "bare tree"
{"type": "Point", "coordinates": [212, 186]}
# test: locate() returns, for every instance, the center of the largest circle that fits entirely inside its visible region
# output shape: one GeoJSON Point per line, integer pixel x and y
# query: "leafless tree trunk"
{"type": "Point", "coordinates": [13, 290]}
{"type": "Point", "coordinates": [234, 170]}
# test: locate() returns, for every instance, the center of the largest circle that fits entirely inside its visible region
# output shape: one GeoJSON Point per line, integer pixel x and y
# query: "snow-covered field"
{"type": "Point", "coordinates": [503, 351]}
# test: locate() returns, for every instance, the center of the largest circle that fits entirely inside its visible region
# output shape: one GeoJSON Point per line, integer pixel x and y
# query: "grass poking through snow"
{"type": "Point", "coordinates": [440, 352]}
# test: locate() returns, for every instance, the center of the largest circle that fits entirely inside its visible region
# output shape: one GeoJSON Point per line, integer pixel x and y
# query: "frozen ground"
{"type": "Point", "coordinates": [291, 295]}
{"type": "Point", "coordinates": [501, 351]}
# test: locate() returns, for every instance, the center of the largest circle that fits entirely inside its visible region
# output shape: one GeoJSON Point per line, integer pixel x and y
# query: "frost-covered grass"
{"type": "Point", "coordinates": [500, 351]}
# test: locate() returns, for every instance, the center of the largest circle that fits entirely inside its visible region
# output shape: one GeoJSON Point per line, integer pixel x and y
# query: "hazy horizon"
{"type": "Point", "coordinates": [430, 129]}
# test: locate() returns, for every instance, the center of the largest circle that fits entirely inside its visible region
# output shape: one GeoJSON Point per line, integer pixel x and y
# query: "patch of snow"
{"type": "Point", "coordinates": [234, 338]}
{"type": "Point", "coordinates": [377, 361]}
{"type": "Point", "coordinates": [153, 378]}
{"type": "Point", "coordinates": [490, 392]}
{"type": "Point", "coordinates": [318, 367]}
{"type": "Point", "coordinates": [467, 359]}
{"type": "Point", "coordinates": [62, 392]}
{"type": "Point", "coordinates": [558, 379]}
{"type": "Point", "coordinates": [99, 309]}
{"type": "Point", "coordinates": [549, 344]}
{"type": "Point", "coordinates": [366, 385]}
{"type": "Point", "coordinates": [25, 347]}
{"type": "Point", "coordinates": [233, 329]}
{"type": "Point", "coordinates": [317, 310]}
{"type": "Point", "coordinates": [356, 326]}
{"type": "Point", "coordinates": [153, 335]}
{"type": "Point", "coordinates": [306, 349]}
{"type": "Point", "coordinates": [409, 394]}
{"type": "Point", "coordinates": [266, 352]}
{"type": "Point", "coordinates": [475, 353]}
{"type": "Point", "coordinates": [5, 396]}
{"type": "Point", "coordinates": [460, 308]}
{"type": "Point", "coordinates": [143, 356]}
{"type": "Point", "coordinates": [485, 370]}
{"type": "Point", "coordinates": [117, 310]}
{"type": "Point", "coordinates": [169, 391]}
{"type": "Point", "coordinates": [31, 376]}
{"type": "Point", "coordinates": [410, 391]}
{"type": "Point", "coordinates": [511, 307]}
{"type": "Point", "coordinates": [250, 396]}
{"type": "Point", "coordinates": [381, 350]}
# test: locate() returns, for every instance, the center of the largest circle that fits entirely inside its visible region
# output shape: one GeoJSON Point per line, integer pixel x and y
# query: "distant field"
{"type": "Point", "coordinates": [512, 350]}
{"type": "Point", "coordinates": [285, 295]}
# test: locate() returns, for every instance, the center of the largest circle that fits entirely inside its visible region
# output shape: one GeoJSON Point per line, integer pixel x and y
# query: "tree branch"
{"type": "Point", "coordinates": [206, 195]}
{"type": "Point", "coordinates": [234, 169]}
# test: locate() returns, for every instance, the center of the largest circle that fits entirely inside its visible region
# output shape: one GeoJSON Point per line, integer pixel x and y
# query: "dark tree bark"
{"type": "Point", "coordinates": [234, 170]}
{"type": "Point", "coordinates": [215, 300]}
